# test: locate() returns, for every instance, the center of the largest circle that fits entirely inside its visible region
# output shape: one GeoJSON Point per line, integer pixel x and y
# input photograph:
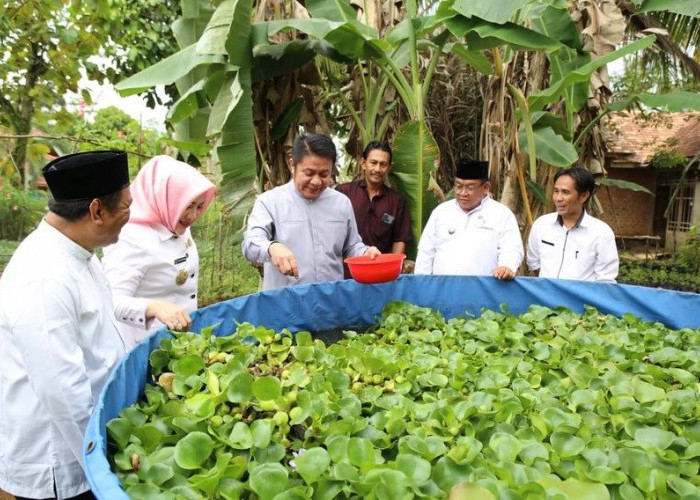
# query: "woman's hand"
{"type": "Point", "coordinates": [171, 315]}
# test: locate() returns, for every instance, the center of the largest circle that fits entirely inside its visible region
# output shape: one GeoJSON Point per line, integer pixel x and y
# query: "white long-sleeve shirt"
{"type": "Point", "coordinates": [469, 243]}
{"type": "Point", "coordinates": [143, 266]}
{"type": "Point", "coordinates": [320, 232]}
{"type": "Point", "coordinates": [586, 252]}
{"type": "Point", "coordinates": [58, 344]}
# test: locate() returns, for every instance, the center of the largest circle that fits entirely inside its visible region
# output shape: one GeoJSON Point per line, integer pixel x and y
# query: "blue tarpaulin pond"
{"type": "Point", "coordinates": [328, 306]}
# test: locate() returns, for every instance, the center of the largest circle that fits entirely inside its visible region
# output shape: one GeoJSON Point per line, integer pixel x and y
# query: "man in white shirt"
{"type": "Point", "coordinates": [569, 243]}
{"type": "Point", "coordinates": [301, 231]}
{"type": "Point", "coordinates": [471, 234]}
{"type": "Point", "coordinates": [58, 335]}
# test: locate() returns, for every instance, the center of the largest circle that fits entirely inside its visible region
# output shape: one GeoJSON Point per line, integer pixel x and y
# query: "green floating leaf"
{"type": "Point", "coordinates": [119, 430]}
{"type": "Point", "coordinates": [268, 480]}
{"type": "Point", "coordinates": [505, 446]}
{"type": "Point", "coordinates": [188, 365]}
{"type": "Point", "coordinates": [573, 488]}
{"type": "Point", "coordinates": [654, 438]}
{"type": "Point", "coordinates": [415, 468]}
{"type": "Point", "coordinates": [240, 390]}
{"type": "Point", "coordinates": [261, 431]}
{"type": "Point", "coordinates": [470, 491]}
{"type": "Point", "coordinates": [567, 445]}
{"type": "Point", "coordinates": [312, 463]}
{"type": "Point", "coordinates": [159, 359]}
{"type": "Point", "coordinates": [267, 388]}
{"type": "Point", "coordinates": [360, 452]}
{"type": "Point", "coordinates": [193, 449]}
{"type": "Point", "coordinates": [241, 438]}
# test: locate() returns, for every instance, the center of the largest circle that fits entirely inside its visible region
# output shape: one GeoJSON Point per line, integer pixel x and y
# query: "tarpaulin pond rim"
{"type": "Point", "coordinates": [327, 306]}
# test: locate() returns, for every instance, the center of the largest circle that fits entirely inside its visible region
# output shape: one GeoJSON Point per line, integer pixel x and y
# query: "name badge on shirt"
{"type": "Point", "coordinates": [388, 218]}
{"type": "Point", "coordinates": [181, 259]}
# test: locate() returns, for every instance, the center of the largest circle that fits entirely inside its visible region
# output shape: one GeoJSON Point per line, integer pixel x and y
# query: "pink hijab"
{"type": "Point", "coordinates": [164, 188]}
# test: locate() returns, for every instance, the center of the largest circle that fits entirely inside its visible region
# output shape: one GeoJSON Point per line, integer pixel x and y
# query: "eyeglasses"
{"type": "Point", "coordinates": [468, 188]}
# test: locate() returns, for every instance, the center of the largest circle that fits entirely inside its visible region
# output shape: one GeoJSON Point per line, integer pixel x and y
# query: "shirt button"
{"type": "Point", "coordinates": [140, 320]}
{"type": "Point", "coordinates": [193, 295]}
{"type": "Point", "coordinates": [192, 275]}
{"type": "Point", "coordinates": [124, 318]}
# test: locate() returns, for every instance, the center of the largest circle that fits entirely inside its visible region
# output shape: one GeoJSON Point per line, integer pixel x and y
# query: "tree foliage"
{"type": "Point", "coordinates": [46, 45]}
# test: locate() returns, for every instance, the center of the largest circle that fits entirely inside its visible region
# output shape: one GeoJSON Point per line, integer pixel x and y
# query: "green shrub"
{"type": "Point", "coordinates": [223, 271]}
{"type": "Point", "coordinates": [20, 211]}
{"type": "Point", "coordinates": [689, 253]}
{"type": "Point", "coordinates": [672, 274]}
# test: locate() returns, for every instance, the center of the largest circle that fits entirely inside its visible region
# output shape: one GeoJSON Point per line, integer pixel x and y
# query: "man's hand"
{"type": "Point", "coordinates": [283, 259]}
{"type": "Point", "coordinates": [171, 315]}
{"type": "Point", "coordinates": [503, 273]}
{"type": "Point", "coordinates": [372, 252]}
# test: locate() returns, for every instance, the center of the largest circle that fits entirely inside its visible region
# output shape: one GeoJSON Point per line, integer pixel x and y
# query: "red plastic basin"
{"type": "Point", "coordinates": [384, 267]}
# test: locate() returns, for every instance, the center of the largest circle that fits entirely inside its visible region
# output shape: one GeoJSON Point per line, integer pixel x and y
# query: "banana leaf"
{"type": "Point", "coordinates": [236, 147]}
{"type": "Point", "coordinates": [684, 7]}
{"type": "Point", "coordinates": [166, 71]}
{"type": "Point", "coordinates": [333, 10]}
{"type": "Point", "coordinates": [552, 93]}
{"type": "Point", "coordinates": [676, 101]}
{"type": "Point", "coordinates": [550, 147]}
{"type": "Point", "coordinates": [482, 35]}
{"type": "Point", "coordinates": [415, 160]}
{"type": "Point", "coordinates": [498, 12]}
{"type": "Point", "coordinates": [632, 186]}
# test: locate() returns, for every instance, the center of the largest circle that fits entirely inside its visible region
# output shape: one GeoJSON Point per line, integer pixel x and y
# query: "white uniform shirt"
{"type": "Point", "coordinates": [149, 263]}
{"type": "Point", "coordinates": [586, 252]}
{"type": "Point", "coordinates": [58, 344]}
{"type": "Point", "coordinates": [320, 232]}
{"type": "Point", "coordinates": [469, 243]}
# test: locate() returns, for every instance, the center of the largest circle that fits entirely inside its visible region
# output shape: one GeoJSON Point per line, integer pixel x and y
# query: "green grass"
{"type": "Point", "coordinates": [223, 271]}
{"type": "Point", "coordinates": [7, 247]}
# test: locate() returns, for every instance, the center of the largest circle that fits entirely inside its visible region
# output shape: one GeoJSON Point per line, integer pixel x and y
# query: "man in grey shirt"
{"type": "Point", "coordinates": [301, 231]}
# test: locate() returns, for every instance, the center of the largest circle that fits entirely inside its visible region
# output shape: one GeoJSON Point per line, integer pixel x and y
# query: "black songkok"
{"type": "Point", "coordinates": [472, 169]}
{"type": "Point", "coordinates": [87, 175]}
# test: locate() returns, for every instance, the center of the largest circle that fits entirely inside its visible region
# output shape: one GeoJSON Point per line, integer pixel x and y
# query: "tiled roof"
{"type": "Point", "coordinates": [634, 137]}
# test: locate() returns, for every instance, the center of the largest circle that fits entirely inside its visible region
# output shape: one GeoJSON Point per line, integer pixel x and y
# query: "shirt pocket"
{"type": "Point", "coordinates": [549, 251]}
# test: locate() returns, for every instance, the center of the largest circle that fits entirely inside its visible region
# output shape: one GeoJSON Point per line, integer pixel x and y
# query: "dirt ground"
{"type": "Point", "coordinates": [5, 496]}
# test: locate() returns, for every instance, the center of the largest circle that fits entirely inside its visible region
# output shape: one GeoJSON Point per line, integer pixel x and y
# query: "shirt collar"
{"type": "Point", "coordinates": [581, 222]}
{"type": "Point", "coordinates": [292, 187]}
{"type": "Point", "coordinates": [363, 184]}
{"type": "Point", "coordinates": [164, 233]}
{"type": "Point", "coordinates": [64, 242]}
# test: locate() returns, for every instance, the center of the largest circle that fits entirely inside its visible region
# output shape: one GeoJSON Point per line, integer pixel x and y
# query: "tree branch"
{"type": "Point", "coordinates": [88, 140]}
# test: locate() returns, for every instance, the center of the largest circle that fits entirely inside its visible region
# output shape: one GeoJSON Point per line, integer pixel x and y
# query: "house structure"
{"type": "Point", "coordinates": [652, 150]}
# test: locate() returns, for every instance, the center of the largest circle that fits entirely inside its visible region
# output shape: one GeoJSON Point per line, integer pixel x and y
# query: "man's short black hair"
{"type": "Point", "coordinates": [583, 179]}
{"type": "Point", "coordinates": [313, 144]}
{"type": "Point", "coordinates": [74, 210]}
{"type": "Point", "coordinates": [380, 145]}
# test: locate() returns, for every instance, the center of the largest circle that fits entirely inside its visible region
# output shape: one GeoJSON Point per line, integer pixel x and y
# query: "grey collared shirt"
{"type": "Point", "coordinates": [320, 232]}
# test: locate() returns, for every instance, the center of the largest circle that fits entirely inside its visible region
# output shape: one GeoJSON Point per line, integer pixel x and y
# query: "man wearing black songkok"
{"type": "Point", "coordinates": [472, 234]}
{"type": "Point", "coordinates": [58, 339]}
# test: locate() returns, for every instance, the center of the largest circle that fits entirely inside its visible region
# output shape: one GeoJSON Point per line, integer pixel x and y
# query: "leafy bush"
{"type": "Point", "coordinates": [688, 254]}
{"type": "Point", "coordinates": [20, 211]}
{"type": "Point", "coordinates": [548, 404]}
{"type": "Point", "coordinates": [672, 274]}
{"type": "Point", "coordinates": [679, 273]}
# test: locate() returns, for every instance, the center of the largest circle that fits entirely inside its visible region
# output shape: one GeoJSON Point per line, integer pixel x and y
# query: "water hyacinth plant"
{"type": "Point", "coordinates": [547, 404]}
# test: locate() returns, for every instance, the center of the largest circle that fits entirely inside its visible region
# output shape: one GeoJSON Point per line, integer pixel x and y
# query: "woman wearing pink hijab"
{"type": "Point", "coordinates": [153, 269]}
